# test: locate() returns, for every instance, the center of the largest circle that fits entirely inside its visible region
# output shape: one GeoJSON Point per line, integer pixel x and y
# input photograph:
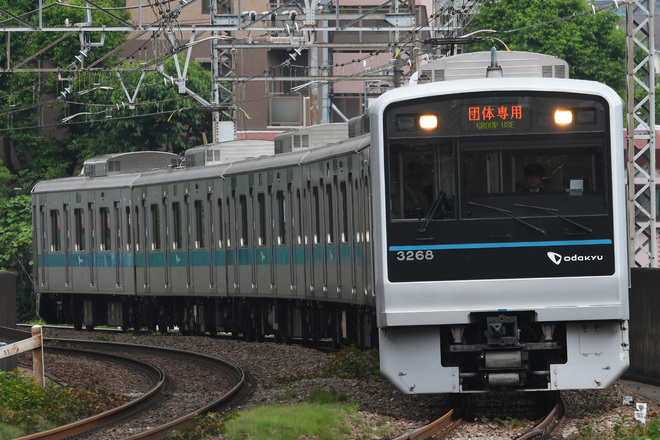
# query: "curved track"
{"type": "Point", "coordinates": [162, 395]}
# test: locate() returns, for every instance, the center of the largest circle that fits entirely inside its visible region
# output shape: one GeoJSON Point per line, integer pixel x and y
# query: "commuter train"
{"type": "Point", "coordinates": [474, 230]}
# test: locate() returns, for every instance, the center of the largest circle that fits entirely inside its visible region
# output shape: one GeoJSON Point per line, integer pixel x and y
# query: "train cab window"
{"type": "Point", "coordinates": [155, 227]}
{"type": "Point", "coordinates": [105, 229]}
{"type": "Point", "coordinates": [55, 231]}
{"type": "Point", "coordinates": [177, 226]}
{"type": "Point", "coordinates": [544, 182]}
{"type": "Point", "coordinates": [79, 229]}
{"type": "Point", "coordinates": [199, 224]}
{"type": "Point", "coordinates": [422, 181]}
{"type": "Point", "coordinates": [280, 226]}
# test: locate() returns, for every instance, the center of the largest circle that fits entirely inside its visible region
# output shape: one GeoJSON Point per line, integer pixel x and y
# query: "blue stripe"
{"type": "Point", "coordinates": [522, 244]}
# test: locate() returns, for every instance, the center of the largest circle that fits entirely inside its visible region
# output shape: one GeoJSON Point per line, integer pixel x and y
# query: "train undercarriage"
{"type": "Point", "coordinates": [251, 319]}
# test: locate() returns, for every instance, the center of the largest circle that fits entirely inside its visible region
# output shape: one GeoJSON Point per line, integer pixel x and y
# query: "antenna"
{"type": "Point", "coordinates": [494, 70]}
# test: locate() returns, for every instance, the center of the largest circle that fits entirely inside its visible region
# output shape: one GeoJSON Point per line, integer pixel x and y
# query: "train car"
{"type": "Point", "coordinates": [500, 235]}
{"type": "Point", "coordinates": [269, 246]}
{"type": "Point", "coordinates": [474, 230]}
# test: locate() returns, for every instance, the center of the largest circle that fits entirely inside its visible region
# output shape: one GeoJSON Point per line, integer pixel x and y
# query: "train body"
{"type": "Point", "coordinates": [422, 237]}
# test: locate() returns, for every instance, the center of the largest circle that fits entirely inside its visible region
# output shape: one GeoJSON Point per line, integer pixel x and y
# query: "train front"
{"type": "Point", "coordinates": [500, 235]}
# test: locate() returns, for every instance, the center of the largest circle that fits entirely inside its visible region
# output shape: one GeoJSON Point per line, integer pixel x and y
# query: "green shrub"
{"type": "Point", "coordinates": [26, 405]}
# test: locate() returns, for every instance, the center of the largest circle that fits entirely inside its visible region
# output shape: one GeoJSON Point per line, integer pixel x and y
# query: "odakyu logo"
{"type": "Point", "coordinates": [575, 258]}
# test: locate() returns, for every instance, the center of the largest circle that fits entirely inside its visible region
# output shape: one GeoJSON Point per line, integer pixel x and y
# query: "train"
{"type": "Point", "coordinates": [474, 230]}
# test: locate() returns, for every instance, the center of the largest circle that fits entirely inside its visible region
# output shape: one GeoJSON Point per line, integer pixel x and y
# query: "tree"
{"type": "Point", "coordinates": [591, 43]}
{"type": "Point", "coordinates": [16, 250]}
{"type": "Point", "coordinates": [159, 119]}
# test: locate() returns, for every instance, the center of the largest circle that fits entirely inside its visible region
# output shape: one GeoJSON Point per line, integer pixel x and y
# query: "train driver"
{"type": "Point", "coordinates": [533, 177]}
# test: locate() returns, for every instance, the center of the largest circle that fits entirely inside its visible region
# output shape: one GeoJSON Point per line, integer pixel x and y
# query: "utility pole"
{"type": "Point", "coordinates": [640, 140]}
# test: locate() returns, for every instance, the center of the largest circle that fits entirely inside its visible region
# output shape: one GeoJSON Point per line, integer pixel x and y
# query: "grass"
{"type": "Point", "coordinates": [26, 407]}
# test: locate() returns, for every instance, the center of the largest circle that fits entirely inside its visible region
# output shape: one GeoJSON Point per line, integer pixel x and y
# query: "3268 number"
{"type": "Point", "coordinates": [414, 255]}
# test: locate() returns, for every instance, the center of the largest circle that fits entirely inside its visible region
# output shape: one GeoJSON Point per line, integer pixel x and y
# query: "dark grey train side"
{"type": "Point", "coordinates": [277, 245]}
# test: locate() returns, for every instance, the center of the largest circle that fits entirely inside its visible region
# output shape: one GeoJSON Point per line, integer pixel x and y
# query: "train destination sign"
{"type": "Point", "coordinates": [495, 117]}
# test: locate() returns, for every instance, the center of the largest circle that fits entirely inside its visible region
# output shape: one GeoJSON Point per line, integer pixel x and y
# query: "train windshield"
{"type": "Point", "coordinates": [527, 179]}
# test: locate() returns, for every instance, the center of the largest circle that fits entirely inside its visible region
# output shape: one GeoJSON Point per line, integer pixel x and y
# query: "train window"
{"type": "Point", "coordinates": [229, 223]}
{"type": "Point", "coordinates": [155, 227]}
{"type": "Point", "coordinates": [106, 232]}
{"type": "Point", "coordinates": [421, 178]}
{"type": "Point", "coordinates": [242, 201]}
{"type": "Point", "coordinates": [261, 219]}
{"type": "Point", "coordinates": [92, 226]}
{"type": "Point", "coordinates": [199, 224]}
{"type": "Point", "coordinates": [220, 225]}
{"type": "Point", "coordinates": [330, 214]}
{"type": "Point", "coordinates": [343, 233]}
{"type": "Point", "coordinates": [55, 231]}
{"type": "Point", "coordinates": [79, 229]}
{"type": "Point", "coordinates": [299, 230]}
{"type": "Point", "coordinates": [137, 229]}
{"type": "Point", "coordinates": [129, 229]}
{"type": "Point", "coordinates": [280, 200]}
{"type": "Point", "coordinates": [316, 211]}
{"type": "Point", "coordinates": [118, 232]}
{"type": "Point", "coordinates": [177, 228]}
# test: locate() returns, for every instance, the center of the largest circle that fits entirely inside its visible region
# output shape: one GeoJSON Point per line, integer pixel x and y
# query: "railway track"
{"type": "Point", "coordinates": [450, 422]}
{"type": "Point", "coordinates": [165, 406]}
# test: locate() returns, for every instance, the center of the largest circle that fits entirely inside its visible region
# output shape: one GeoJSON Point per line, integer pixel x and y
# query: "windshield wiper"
{"type": "Point", "coordinates": [555, 212]}
{"type": "Point", "coordinates": [508, 213]}
{"type": "Point", "coordinates": [442, 197]}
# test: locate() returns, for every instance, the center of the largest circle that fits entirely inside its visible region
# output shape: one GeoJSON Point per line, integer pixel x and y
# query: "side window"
{"type": "Point", "coordinates": [129, 229]}
{"type": "Point", "coordinates": [199, 224]}
{"type": "Point", "coordinates": [221, 229]}
{"type": "Point", "coordinates": [177, 236]}
{"type": "Point", "coordinates": [79, 229]}
{"type": "Point", "coordinates": [280, 226]}
{"type": "Point", "coordinates": [330, 214]}
{"type": "Point", "coordinates": [155, 227]}
{"type": "Point", "coordinates": [243, 239]}
{"type": "Point", "coordinates": [106, 233]}
{"type": "Point", "coordinates": [55, 231]}
{"type": "Point", "coordinates": [316, 215]}
{"type": "Point", "coordinates": [261, 219]}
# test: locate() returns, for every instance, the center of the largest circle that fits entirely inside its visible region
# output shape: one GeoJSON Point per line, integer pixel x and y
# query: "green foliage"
{"type": "Point", "coordinates": [171, 123]}
{"type": "Point", "coordinates": [10, 432]}
{"type": "Point", "coordinates": [16, 250]}
{"type": "Point", "coordinates": [205, 426]}
{"type": "Point", "coordinates": [33, 408]}
{"type": "Point", "coordinates": [348, 363]}
{"type": "Point", "coordinates": [291, 422]}
{"type": "Point", "coordinates": [591, 43]}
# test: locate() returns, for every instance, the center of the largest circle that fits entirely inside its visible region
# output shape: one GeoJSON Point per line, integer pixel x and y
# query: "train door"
{"type": "Point", "coordinates": [177, 239]}
{"type": "Point", "coordinates": [221, 233]}
{"type": "Point", "coordinates": [282, 236]}
{"type": "Point", "coordinates": [231, 204]}
{"type": "Point", "coordinates": [67, 244]}
{"type": "Point", "coordinates": [105, 229]}
{"type": "Point", "coordinates": [157, 273]}
{"type": "Point", "coordinates": [346, 226]}
{"type": "Point", "coordinates": [331, 265]}
{"type": "Point", "coordinates": [316, 245]}
{"type": "Point", "coordinates": [298, 238]}
{"type": "Point", "coordinates": [91, 221]}
{"type": "Point", "coordinates": [54, 256]}
{"type": "Point", "coordinates": [262, 265]}
{"type": "Point", "coordinates": [200, 227]}
{"type": "Point", "coordinates": [127, 253]}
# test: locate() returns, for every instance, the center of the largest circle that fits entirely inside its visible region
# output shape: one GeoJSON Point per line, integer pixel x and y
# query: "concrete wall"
{"type": "Point", "coordinates": [7, 312]}
{"type": "Point", "coordinates": [645, 326]}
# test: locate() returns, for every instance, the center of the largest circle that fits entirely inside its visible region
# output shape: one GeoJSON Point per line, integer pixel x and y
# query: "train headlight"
{"type": "Point", "coordinates": [563, 117]}
{"type": "Point", "coordinates": [428, 122]}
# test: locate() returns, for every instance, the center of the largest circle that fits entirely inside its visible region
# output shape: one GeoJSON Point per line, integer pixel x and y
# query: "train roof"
{"type": "Point", "coordinates": [475, 65]}
{"type": "Point", "coordinates": [129, 162]}
{"type": "Point", "coordinates": [157, 177]}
